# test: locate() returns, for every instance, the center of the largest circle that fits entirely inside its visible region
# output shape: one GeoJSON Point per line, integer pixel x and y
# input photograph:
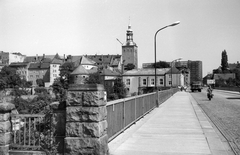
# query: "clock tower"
{"type": "Point", "coordinates": [130, 49]}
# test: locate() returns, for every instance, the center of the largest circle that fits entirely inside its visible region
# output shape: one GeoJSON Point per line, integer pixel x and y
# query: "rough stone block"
{"type": "Point", "coordinates": [4, 117]}
{"type": "Point", "coordinates": [74, 98]}
{"type": "Point", "coordinates": [94, 98]}
{"type": "Point", "coordinates": [5, 138]}
{"type": "Point", "coordinates": [5, 126]}
{"type": "Point", "coordinates": [95, 129]}
{"type": "Point", "coordinates": [86, 130]}
{"type": "Point", "coordinates": [86, 114]}
{"type": "Point", "coordinates": [74, 129]}
{"type": "Point", "coordinates": [96, 146]}
{"type": "Point", "coordinates": [6, 107]}
{"type": "Point", "coordinates": [4, 150]}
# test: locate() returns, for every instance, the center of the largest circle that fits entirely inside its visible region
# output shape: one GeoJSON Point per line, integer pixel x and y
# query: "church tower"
{"type": "Point", "coordinates": [130, 49]}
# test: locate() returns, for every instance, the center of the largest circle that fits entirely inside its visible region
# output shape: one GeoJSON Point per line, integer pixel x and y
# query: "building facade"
{"type": "Point", "coordinates": [140, 81]}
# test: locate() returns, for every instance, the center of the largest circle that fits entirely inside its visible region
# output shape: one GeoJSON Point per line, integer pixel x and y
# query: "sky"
{"type": "Point", "coordinates": [80, 27]}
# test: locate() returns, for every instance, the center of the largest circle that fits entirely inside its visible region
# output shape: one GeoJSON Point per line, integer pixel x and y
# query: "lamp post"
{"type": "Point", "coordinates": [172, 68]}
{"type": "Point", "coordinates": [155, 36]}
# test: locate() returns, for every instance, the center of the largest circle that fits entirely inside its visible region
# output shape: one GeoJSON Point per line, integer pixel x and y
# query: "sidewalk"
{"type": "Point", "coordinates": [177, 127]}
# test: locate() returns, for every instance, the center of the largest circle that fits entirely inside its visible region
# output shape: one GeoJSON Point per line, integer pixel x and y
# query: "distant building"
{"type": "Point", "coordinates": [54, 69]}
{"type": "Point", "coordinates": [39, 70]}
{"type": "Point", "coordinates": [7, 58]}
{"type": "Point", "coordinates": [195, 69]}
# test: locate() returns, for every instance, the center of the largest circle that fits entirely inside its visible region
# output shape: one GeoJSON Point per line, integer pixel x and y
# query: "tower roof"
{"type": "Point", "coordinates": [80, 70]}
{"type": "Point", "coordinates": [129, 37]}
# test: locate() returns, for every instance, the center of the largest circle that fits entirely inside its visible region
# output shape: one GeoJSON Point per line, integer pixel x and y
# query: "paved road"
{"type": "Point", "coordinates": [224, 111]}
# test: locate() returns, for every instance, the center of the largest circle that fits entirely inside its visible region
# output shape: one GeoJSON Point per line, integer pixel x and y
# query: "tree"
{"type": "Point", "coordinates": [224, 61]}
{"type": "Point", "coordinates": [59, 90]}
{"type": "Point", "coordinates": [161, 64]}
{"type": "Point", "coordinates": [61, 84]}
{"type": "Point", "coordinates": [119, 88]}
{"type": "Point", "coordinates": [65, 70]}
{"type": "Point", "coordinates": [129, 66]}
{"type": "Point", "coordinates": [40, 82]}
{"type": "Point", "coordinates": [93, 78]}
{"type": "Point", "coordinates": [10, 76]}
{"type": "Point", "coordinates": [3, 84]}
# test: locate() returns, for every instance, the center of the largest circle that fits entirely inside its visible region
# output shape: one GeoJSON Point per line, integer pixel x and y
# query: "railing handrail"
{"type": "Point", "coordinates": [28, 115]}
{"type": "Point", "coordinates": [128, 98]}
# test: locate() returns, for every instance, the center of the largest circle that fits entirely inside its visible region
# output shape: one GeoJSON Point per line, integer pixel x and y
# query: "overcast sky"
{"type": "Point", "coordinates": [80, 27]}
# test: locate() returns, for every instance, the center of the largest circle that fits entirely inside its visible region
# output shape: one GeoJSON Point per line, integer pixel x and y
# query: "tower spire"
{"type": "Point", "coordinates": [129, 23]}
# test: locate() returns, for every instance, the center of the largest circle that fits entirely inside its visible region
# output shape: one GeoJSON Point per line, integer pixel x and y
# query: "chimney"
{"type": "Point", "coordinates": [36, 57]}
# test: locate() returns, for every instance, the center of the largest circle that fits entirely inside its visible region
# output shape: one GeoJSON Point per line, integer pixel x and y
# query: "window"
{"type": "Point", "coordinates": [161, 81]}
{"type": "Point", "coordinates": [128, 82]}
{"type": "Point", "coordinates": [144, 81]}
{"type": "Point", "coordinates": [170, 76]}
{"type": "Point", "coordinates": [54, 65]}
{"type": "Point", "coordinates": [152, 82]}
{"type": "Point", "coordinates": [170, 82]}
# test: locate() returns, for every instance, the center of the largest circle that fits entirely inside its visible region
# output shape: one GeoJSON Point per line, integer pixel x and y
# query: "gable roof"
{"type": "Point", "coordinates": [86, 61]}
{"type": "Point", "coordinates": [173, 70]}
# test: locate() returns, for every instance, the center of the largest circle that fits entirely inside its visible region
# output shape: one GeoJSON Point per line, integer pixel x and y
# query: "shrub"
{"type": "Point", "coordinates": [112, 97]}
{"type": "Point", "coordinates": [40, 90]}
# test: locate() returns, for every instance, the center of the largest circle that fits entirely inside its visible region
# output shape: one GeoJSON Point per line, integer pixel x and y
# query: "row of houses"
{"type": "Point", "coordinates": [47, 67]}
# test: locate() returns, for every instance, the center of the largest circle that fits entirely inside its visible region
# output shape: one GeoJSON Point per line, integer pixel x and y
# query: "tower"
{"type": "Point", "coordinates": [130, 49]}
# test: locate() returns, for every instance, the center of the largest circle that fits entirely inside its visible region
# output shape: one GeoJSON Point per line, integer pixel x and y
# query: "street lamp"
{"type": "Point", "coordinates": [172, 68]}
{"type": "Point", "coordinates": [173, 24]}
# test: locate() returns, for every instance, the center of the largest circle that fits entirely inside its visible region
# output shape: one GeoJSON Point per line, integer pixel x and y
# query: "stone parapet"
{"type": "Point", "coordinates": [86, 124]}
{"type": "Point", "coordinates": [5, 126]}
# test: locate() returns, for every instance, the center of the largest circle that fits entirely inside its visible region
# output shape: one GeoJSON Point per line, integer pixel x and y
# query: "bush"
{"type": "Point", "coordinates": [40, 90]}
{"type": "Point", "coordinates": [112, 97]}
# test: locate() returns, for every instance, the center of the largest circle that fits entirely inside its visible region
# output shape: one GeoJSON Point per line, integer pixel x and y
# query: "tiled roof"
{"type": "Point", "coordinates": [39, 65]}
{"type": "Point", "coordinates": [18, 64]}
{"type": "Point", "coordinates": [105, 59]}
{"type": "Point", "coordinates": [47, 58]}
{"type": "Point", "coordinates": [108, 72]}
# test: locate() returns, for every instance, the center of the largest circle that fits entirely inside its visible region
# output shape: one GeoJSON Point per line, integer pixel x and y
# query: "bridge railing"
{"type": "Point", "coordinates": [124, 112]}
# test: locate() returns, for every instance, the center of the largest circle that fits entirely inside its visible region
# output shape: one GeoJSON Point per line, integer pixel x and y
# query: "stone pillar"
{"type": "Point", "coordinates": [5, 126]}
{"type": "Point", "coordinates": [86, 124]}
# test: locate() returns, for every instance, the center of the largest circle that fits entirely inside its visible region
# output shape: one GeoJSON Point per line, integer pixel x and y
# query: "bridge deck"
{"type": "Point", "coordinates": [177, 127]}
